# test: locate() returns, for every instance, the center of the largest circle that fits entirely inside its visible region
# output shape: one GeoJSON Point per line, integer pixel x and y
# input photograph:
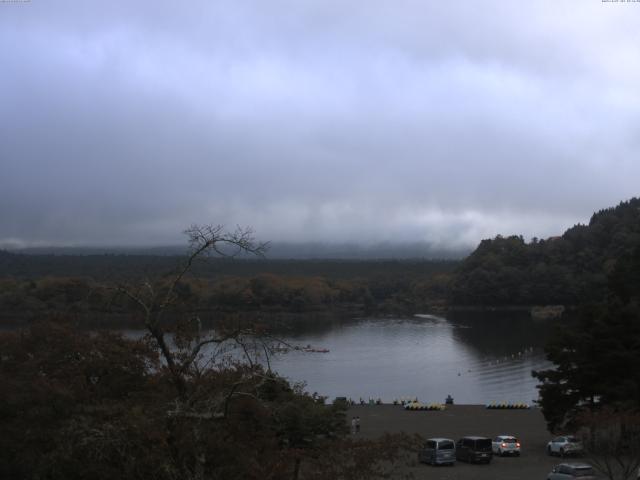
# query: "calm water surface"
{"type": "Point", "coordinates": [476, 361]}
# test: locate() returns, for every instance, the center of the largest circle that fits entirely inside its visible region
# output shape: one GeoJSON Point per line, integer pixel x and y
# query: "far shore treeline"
{"type": "Point", "coordinates": [304, 290]}
{"type": "Point", "coordinates": [504, 272]}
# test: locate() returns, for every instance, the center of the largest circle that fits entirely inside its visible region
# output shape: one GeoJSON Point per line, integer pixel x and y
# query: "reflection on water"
{"type": "Point", "coordinates": [474, 360]}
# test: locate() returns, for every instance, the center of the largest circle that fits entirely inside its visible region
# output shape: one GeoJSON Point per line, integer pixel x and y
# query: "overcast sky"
{"type": "Point", "coordinates": [124, 122]}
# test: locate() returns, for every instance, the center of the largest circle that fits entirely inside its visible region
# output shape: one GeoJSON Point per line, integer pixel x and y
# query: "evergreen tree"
{"type": "Point", "coordinates": [596, 354]}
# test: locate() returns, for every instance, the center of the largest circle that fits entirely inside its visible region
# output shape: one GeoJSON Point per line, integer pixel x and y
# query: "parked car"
{"type": "Point", "coordinates": [474, 449]}
{"type": "Point", "coordinates": [438, 451]}
{"type": "Point", "coordinates": [565, 471]}
{"type": "Point", "coordinates": [564, 445]}
{"type": "Point", "coordinates": [506, 445]}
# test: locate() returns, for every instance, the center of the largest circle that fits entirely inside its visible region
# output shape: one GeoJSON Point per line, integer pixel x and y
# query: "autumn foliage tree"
{"type": "Point", "coordinates": [76, 405]}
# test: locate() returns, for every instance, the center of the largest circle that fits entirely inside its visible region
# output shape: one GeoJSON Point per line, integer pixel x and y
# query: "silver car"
{"type": "Point", "coordinates": [566, 471]}
{"type": "Point", "coordinates": [438, 451]}
{"type": "Point", "coordinates": [565, 445]}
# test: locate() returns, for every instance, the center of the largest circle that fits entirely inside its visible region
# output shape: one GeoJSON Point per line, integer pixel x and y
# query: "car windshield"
{"type": "Point", "coordinates": [572, 439]}
{"type": "Point", "coordinates": [483, 443]}
{"type": "Point", "coordinates": [446, 445]}
{"type": "Point", "coordinates": [510, 440]}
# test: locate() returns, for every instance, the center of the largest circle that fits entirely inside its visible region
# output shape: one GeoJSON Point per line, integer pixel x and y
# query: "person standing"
{"type": "Point", "coordinates": [353, 425]}
{"type": "Point", "coordinates": [357, 424]}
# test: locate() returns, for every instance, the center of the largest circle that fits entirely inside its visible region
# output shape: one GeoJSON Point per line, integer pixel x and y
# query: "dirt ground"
{"type": "Point", "coordinates": [460, 420]}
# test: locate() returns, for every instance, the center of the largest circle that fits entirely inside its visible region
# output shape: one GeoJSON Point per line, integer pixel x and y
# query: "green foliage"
{"type": "Point", "coordinates": [567, 270]}
{"type": "Point", "coordinates": [596, 353]}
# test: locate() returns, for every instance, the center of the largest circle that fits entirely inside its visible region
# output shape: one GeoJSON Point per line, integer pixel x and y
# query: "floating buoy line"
{"type": "Point", "coordinates": [508, 406]}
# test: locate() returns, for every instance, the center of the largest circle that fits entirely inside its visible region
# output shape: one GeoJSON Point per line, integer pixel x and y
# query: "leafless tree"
{"type": "Point", "coordinates": [611, 440]}
{"type": "Point", "coordinates": [155, 297]}
{"type": "Point", "coordinates": [181, 340]}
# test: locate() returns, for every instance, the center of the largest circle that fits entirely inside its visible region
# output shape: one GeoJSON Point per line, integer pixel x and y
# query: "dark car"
{"type": "Point", "coordinates": [474, 449]}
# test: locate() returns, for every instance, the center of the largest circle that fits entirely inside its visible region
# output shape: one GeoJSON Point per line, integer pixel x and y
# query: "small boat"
{"type": "Point", "coordinates": [311, 349]}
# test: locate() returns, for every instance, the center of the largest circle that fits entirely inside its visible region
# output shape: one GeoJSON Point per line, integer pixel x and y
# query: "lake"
{"type": "Point", "coordinates": [477, 360]}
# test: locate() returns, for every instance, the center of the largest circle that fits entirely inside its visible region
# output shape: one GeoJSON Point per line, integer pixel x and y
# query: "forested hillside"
{"type": "Point", "coordinates": [33, 286]}
{"type": "Point", "coordinates": [559, 270]}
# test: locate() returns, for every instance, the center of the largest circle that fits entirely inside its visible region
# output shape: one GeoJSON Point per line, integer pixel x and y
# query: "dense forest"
{"type": "Point", "coordinates": [297, 290]}
{"type": "Point", "coordinates": [590, 389]}
{"type": "Point", "coordinates": [117, 267]}
{"type": "Point", "coordinates": [589, 348]}
{"type": "Point", "coordinates": [564, 270]}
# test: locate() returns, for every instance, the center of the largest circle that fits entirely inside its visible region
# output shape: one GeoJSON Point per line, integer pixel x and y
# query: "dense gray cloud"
{"type": "Point", "coordinates": [447, 122]}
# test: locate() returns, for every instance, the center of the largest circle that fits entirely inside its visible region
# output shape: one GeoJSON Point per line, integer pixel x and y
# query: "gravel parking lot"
{"type": "Point", "coordinates": [460, 420]}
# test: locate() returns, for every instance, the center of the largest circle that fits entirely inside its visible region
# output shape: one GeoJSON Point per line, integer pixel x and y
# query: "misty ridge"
{"type": "Point", "coordinates": [280, 251]}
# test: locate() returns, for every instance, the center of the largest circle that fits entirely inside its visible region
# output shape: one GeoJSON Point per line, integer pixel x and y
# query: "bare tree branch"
{"type": "Point", "coordinates": [203, 240]}
{"type": "Point", "coordinates": [611, 439]}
